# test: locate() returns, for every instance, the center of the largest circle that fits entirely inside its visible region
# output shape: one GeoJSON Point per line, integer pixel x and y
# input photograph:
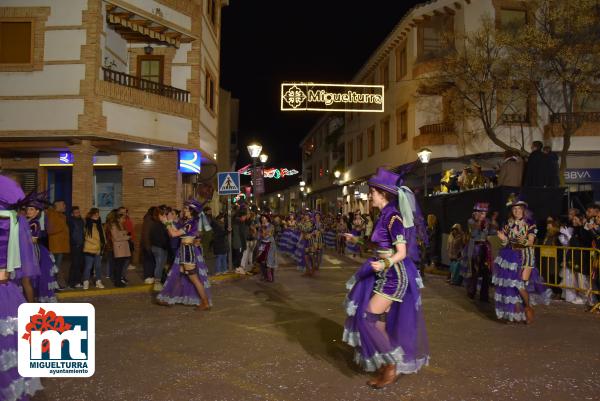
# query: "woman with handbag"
{"type": "Point", "coordinates": [120, 248]}
{"type": "Point", "coordinates": [385, 318]}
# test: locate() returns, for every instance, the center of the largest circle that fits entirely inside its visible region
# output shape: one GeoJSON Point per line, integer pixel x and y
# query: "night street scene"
{"type": "Point", "coordinates": [239, 200]}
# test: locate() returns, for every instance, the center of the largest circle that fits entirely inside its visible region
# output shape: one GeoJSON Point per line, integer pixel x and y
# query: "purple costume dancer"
{"type": "Point", "coordinates": [189, 263]}
{"type": "Point", "coordinates": [518, 282]}
{"type": "Point", "coordinates": [45, 284]}
{"type": "Point", "coordinates": [393, 342]}
{"type": "Point", "coordinates": [17, 260]}
{"type": "Point", "coordinates": [357, 230]}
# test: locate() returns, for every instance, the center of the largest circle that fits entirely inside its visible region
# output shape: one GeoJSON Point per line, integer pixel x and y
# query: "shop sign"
{"type": "Point", "coordinates": [189, 161]}
{"type": "Point", "coordinates": [582, 175]}
{"type": "Point", "coordinates": [332, 97]}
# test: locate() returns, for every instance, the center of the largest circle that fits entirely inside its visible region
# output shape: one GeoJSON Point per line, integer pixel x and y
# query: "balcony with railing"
{"type": "Point", "coordinates": [145, 85]}
{"type": "Point", "coordinates": [435, 134]}
{"type": "Point", "coordinates": [588, 122]}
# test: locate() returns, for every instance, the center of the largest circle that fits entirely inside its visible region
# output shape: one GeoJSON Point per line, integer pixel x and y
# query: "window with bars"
{"type": "Point", "coordinates": [209, 92]}
{"type": "Point", "coordinates": [430, 37]}
{"type": "Point", "coordinates": [401, 62]}
{"type": "Point", "coordinates": [384, 72]}
{"type": "Point", "coordinates": [511, 20]}
{"type": "Point", "coordinates": [359, 147]}
{"type": "Point", "coordinates": [385, 133]}
{"type": "Point", "coordinates": [349, 152]}
{"type": "Point", "coordinates": [371, 141]}
{"type": "Point", "coordinates": [401, 125]}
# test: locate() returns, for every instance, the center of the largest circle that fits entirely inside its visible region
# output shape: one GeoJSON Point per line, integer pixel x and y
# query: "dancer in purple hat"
{"type": "Point", "coordinates": [385, 321]}
{"type": "Point", "coordinates": [478, 263]}
{"type": "Point", "coordinates": [187, 282]}
{"type": "Point", "coordinates": [518, 283]}
{"type": "Point", "coordinates": [17, 262]}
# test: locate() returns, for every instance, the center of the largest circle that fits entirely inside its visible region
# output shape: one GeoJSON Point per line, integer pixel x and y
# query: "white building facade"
{"type": "Point", "coordinates": [99, 97]}
{"type": "Point", "coordinates": [412, 121]}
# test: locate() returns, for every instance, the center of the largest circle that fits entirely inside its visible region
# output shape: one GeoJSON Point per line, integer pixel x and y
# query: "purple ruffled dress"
{"type": "Point", "coordinates": [178, 288]}
{"type": "Point", "coordinates": [44, 285]}
{"type": "Point", "coordinates": [405, 342]}
{"type": "Point", "coordinates": [12, 385]}
{"type": "Point", "coordinates": [507, 274]}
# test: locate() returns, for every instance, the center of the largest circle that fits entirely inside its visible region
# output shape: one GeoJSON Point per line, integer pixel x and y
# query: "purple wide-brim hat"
{"type": "Point", "coordinates": [516, 200]}
{"type": "Point", "coordinates": [10, 192]}
{"type": "Point", "coordinates": [386, 180]}
{"type": "Point", "coordinates": [481, 207]}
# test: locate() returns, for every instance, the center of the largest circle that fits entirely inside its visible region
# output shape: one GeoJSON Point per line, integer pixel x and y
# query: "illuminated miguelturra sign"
{"type": "Point", "coordinates": [331, 97]}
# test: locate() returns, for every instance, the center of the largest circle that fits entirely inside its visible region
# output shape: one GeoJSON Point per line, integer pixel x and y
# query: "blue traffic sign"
{"type": "Point", "coordinates": [229, 183]}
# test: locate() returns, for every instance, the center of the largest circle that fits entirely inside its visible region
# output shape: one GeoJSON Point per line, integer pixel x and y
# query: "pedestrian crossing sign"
{"type": "Point", "coordinates": [229, 183]}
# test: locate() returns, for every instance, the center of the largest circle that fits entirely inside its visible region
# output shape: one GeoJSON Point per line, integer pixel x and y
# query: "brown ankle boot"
{"type": "Point", "coordinates": [375, 379]}
{"type": "Point", "coordinates": [529, 314]}
{"type": "Point", "coordinates": [204, 305]}
{"type": "Point", "coordinates": [388, 376]}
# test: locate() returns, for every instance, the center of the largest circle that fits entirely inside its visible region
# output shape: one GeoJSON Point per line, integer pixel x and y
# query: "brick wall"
{"type": "Point", "coordinates": [167, 180]}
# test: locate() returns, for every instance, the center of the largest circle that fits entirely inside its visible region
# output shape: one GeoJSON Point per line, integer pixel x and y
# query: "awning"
{"type": "Point", "coordinates": [137, 28]}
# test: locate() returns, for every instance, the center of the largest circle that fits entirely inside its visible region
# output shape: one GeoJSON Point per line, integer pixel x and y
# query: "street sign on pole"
{"type": "Point", "coordinates": [229, 183]}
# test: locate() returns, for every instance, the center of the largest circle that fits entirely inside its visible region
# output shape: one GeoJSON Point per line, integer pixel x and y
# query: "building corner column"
{"type": "Point", "coordinates": [83, 175]}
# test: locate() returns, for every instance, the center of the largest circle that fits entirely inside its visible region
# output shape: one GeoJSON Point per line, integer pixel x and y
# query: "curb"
{"type": "Point", "coordinates": [137, 289]}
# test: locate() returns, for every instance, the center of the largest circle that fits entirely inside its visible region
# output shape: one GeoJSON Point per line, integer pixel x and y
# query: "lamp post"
{"type": "Point", "coordinates": [254, 150]}
{"type": "Point", "coordinates": [263, 158]}
{"type": "Point", "coordinates": [424, 156]}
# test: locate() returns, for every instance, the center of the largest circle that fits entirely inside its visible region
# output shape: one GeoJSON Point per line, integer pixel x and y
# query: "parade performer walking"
{"type": "Point", "coordinates": [267, 249]}
{"type": "Point", "coordinates": [187, 282]}
{"type": "Point", "coordinates": [385, 320]}
{"type": "Point", "coordinates": [478, 253]}
{"type": "Point", "coordinates": [518, 283]}
{"type": "Point", "coordinates": [305, 251]}
{"type": "Point", "coordinates": [329, 238]}
{"type": "Point", "coordinates": [318, 240]}
{"type": "Point", "coordinates": [17, 261]}
{"type": "Point", "coordinates": [45, 284]}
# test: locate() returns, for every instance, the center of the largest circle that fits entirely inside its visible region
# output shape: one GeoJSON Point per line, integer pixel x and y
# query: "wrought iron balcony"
{"type": "Point", "coordinates": [580, 117]}
{"type": "Point", "coordinates": [440, 128]}
{"type": "Point", "coordinates": [145, 85]}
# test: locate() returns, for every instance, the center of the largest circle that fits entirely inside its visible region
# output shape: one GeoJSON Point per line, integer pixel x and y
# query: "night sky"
{"type": "Point", "coordinates": [268, 42]}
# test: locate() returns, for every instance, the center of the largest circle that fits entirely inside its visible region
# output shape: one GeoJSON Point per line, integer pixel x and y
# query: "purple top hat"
{"type": "Point", "coordinates": [515, 200]}
{"type": "Point", "coordinates": [481, 207]}
{"type": "Point", "coordinates": [194, 205]}
{"type": "Point", "coordinates": [386, 180]}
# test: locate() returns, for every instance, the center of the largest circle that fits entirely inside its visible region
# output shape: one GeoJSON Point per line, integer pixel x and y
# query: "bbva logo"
{"type": "Point", "coordinates": [577, 175]}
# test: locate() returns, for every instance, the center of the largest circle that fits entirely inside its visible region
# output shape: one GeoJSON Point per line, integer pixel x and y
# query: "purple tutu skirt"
{"type": "Point", "coordinates": [405, 342]}
{"type": "Point", "coordinates": [45, 284]}
{"type": "Point", "coordinates": [507, 279]}
{"type": "Point", "coordinates": [178, 288]}
{"type": "Point", "coordinates": [351, 247]}
{"type": "Point", "coordinates": [12, 385]}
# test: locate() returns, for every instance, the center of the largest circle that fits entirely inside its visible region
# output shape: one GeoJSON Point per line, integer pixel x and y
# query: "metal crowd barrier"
{"type": "Point", "coordinates": [571, 269]}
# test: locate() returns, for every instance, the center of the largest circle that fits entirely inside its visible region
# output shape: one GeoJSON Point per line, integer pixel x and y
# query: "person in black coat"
{"type": "Point", "coordinates": [535, 173]}
{"type": "Point", "coordinates": [76, 238]}
{"type": "Point", "coordinates": [219, 243]}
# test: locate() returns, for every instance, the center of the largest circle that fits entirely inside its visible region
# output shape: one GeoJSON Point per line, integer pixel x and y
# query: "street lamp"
{"type": "Point", "coordinates": [337, 174]}
{"type": "Point", "coordinates": [302, 183]}
{"type": "Point", "coordinates": [424, 156]}
{"type": "Point", "coordinates": [263, 158]}
{"type": "Point", "coordinates": [254, 149]}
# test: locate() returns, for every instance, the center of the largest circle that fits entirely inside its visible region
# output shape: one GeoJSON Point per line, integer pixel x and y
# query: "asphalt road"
{"type": "Point", "coordinates": [282, 341]}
